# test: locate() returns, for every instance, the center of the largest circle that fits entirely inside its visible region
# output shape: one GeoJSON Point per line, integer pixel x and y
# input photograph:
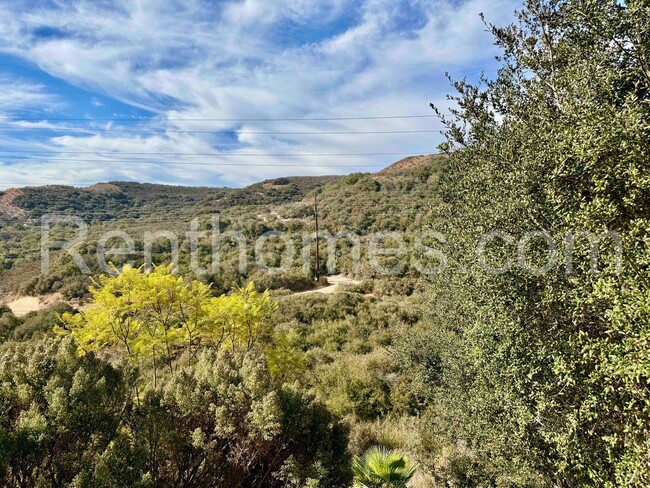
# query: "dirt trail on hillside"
{"type": "Point", "coordinates": [7, 206]}
{"type": "Point", "coordinates": [335, 284]}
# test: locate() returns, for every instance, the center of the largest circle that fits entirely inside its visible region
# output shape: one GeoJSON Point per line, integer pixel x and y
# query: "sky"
{"type": "Point", "coordinates": [226, 93]}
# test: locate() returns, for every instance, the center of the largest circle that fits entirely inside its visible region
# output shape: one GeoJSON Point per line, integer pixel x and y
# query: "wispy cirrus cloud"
{"type": "Point", "coordinates": [17, 94]}
{"type": "Point", "coordinates": [177, 60]}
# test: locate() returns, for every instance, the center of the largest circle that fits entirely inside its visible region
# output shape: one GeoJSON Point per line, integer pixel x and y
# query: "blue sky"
{"type": "Point", "coordinates": [121, 90]}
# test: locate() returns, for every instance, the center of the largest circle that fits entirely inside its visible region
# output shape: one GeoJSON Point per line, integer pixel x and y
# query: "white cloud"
{"type": "Point", "coordinates": [243, 59]}
{"type": "Point", "coordinates": [19, 94]}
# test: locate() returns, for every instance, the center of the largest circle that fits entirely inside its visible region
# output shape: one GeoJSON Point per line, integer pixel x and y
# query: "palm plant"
{"type": "Point", "coordinates": [380, 467]}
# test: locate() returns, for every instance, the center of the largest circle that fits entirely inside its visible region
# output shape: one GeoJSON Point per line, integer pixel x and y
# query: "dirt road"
{"type": "Point", "coordinates": [335, 283]}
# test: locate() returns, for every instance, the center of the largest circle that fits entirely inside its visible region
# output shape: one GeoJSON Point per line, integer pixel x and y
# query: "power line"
{"type": "Point", "coordinates": [211, 154]}
{"type": "Point", "coordinates": [204, 163]}
{"type": "Point", "coordinates": [258, 119]}
{"type": "Point", "coordinates": [164, 131]}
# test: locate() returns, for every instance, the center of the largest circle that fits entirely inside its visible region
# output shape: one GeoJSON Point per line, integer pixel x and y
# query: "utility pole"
{"type": "Point", "coordinates": [317, 273]}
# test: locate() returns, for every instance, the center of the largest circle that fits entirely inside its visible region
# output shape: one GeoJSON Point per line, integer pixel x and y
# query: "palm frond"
{"type": "Point", "coordinates": [381, 467]}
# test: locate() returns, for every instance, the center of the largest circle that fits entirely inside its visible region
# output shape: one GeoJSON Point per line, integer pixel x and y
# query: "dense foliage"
{"type": "Point", "coordinates": [547, 383]}
{"type": "Point", "coordinates": [84, 411]}
{"type": "Point", "coordinates": [70, 420]}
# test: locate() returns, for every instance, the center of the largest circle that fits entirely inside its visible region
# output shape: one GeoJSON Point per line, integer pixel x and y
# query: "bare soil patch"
{"type": "Point", "coordinates": [22, 305]}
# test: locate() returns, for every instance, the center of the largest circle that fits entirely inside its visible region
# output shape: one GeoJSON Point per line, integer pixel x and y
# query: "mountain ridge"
{"type": "Point", "coordinates": [111, 200]}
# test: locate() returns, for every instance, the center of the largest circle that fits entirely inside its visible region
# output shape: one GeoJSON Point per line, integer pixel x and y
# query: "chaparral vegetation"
{"type": "Point", "coordinates": [528, 376]}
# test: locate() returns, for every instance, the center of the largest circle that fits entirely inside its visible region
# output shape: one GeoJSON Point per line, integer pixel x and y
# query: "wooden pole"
{"type": "Point", "coordinates": [317, 273]}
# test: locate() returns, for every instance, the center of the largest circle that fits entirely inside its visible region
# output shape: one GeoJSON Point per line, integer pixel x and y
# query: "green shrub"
{"type": "Point", "coordinates": [224, 417]}
{"type": "Point", "coordinates": [60, 412]}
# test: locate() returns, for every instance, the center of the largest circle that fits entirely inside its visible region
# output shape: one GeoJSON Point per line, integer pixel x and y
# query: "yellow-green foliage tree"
{"type": "Point", "coordinates": [157, 316]}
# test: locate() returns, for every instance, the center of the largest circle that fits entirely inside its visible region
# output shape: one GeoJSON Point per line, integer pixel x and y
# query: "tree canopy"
{"type": "Point", "coordinates": [550, 376]}
{"type": "Point", "coordinates": [157, 315]}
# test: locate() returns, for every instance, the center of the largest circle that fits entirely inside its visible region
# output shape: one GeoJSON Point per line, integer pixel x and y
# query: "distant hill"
{"type": "Point", "coordinates": [118, 200]}
{"type": "Point", "coordinates": [404, 197]}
